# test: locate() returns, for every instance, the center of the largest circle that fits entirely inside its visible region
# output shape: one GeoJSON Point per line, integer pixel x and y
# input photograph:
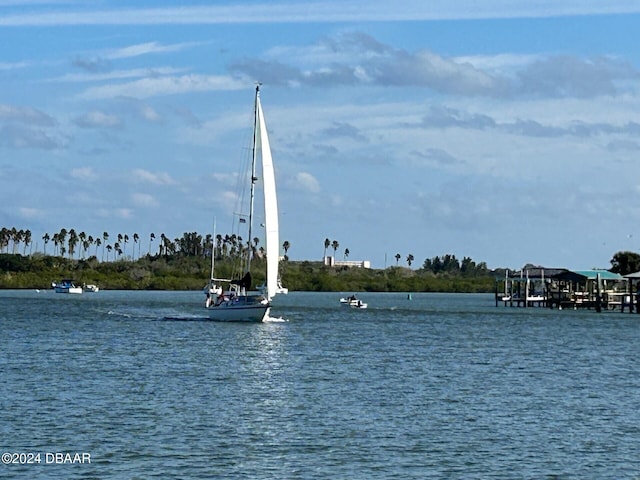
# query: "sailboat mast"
{"type": "Point", "coordinates": [254, 157]}
{"type": "Point", "coordinates": [213, 249]}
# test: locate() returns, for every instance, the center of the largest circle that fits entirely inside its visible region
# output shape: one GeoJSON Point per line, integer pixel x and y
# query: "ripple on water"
{"type": "Point", "coordinates": [435, 387]}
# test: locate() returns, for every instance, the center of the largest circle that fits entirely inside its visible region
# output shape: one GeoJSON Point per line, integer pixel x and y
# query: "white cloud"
{"type": "Point", "coordinates": [123, 212]}
{"type": "Point", "coordinates": [143, 200]}
{"type": "Point", "coordinates": [4, 66]}
{"type": "Point", "coordinates": [27, 115]}
{"type": "Point", "coordinates": [28, 212]}
{"type": "Point", "coordinates": [356, 58]}
{"type": "Point", "coordinates": [147, 48]}
{"type": "Point", "coordinates": [502, 63]}
{"type": "Point", "coordinates": [157, 86]}
{"type": "Point", "coordinates": [98, 119]}
{"type": "Point", "coordinates": [140, 109]}
{"type": "Point", "coordinates": [118, 213]}
{"type": "Point", "coordinates": [117, 74]}
{"type": "Point", "coordinates": [307, 182]}
{"type": "Point", "coordinates": [24, 137]}
{"type": "Point", "coordinates": [84, 173]}
{"type": "Point", "coordinates": [144, 176]}
{"type": "Point", "coordinates": [225, 178]}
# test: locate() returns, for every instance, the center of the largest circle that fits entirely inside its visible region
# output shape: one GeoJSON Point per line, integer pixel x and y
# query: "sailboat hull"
{"type": "Point", "coordinates": [240, 310]}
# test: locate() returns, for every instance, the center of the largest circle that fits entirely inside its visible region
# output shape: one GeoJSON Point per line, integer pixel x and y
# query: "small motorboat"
{"type": "Point", "coordinates": [353, 302]}
{"type": "Point", "coordinates": [66, 286]}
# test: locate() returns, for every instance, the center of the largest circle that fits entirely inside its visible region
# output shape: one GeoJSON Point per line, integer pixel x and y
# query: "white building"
{"type": "Point", "coordinates": [332, 262]}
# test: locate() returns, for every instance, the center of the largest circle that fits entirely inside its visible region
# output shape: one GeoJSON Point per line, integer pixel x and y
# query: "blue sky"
{"type": "Point", "coordinates": [502, 131]}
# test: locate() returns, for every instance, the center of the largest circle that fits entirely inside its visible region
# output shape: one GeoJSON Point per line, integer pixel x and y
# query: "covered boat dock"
{"type": "Point", "coordinates": [574, 289]}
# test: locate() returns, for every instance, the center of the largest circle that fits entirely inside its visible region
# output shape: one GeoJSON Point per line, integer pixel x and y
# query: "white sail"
{"type": "Point", "coordinates": [270, 204]}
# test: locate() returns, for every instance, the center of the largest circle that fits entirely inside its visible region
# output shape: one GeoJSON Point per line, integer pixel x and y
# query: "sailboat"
{"type": "Point", "coordinates": [233, 300]}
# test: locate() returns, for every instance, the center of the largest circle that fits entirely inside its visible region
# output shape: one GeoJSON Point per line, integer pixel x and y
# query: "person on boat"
{"type": "Point", "coordinates": [221, 299]}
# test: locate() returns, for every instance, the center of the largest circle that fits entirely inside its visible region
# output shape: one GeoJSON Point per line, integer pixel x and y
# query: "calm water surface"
{"type": "Point", "coordinates": [440, 386]}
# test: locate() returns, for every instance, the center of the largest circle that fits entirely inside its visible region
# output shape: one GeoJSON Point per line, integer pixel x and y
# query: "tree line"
{"type": "Point", "coordinates": [182, 263]}
{"type": "Point", "coordinates": [73, 244]}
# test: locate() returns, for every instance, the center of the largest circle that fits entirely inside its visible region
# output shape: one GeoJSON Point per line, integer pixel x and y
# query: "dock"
{"type": "Point", "coordinates": [559, 288]}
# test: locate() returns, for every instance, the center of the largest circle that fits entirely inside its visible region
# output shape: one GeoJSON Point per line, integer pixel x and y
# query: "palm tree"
{"type": "Point", "coordinates": [4, 238]}
{"type": "Point", "coordinates": [286, 246]}
{"type": "Point", "coordinates": [62, 239]}
{"type": "Point", "coordinates": [218, 246]}
{"type": "Point", "coordinates": [233, 241]}
{"type": "Point", "coordinates": [73, 241]}
{"type": "Point", "coordinates": [46, 239]}
{"type": "Point", "coordinates": [27, 240]}
{"type": "Point", "coordinates": [208, 246]}
{"type": "Point", "coordinates": [15, 238]}
{"type": "Point", "coordinates": [152, 237]}
{"type": "Point", "coordinates": [56, 241]}
{"type": "Point", "coordinates": [3, 231]}
{"type": "Point", "coordinates": [83, 238]}
{"type": "Point", "coordinates": [169, 246]}
{"type": "Point", "coordinates": [398, 257]}
{"type": "Point", "coordinates": [327, 244]}
{"type": "Point", "coordinates": [225, 246]}
{"type": "Point", "coordinates": [335, 246]}
{"type": "Point", "coordinates": [109, 248]}
{"type": "Point", "coordinates": [409, 259]}
{"type": "Point", "coordinates": [135, 242]}
{"type": "Point", "coordinates": [105, 237]}
{"type": "Point", "coordinates": [346, 253]}
{"type": "Point", "coordinates": [163, 241]}
{"type": "Point", "coordinates": [97, 243]}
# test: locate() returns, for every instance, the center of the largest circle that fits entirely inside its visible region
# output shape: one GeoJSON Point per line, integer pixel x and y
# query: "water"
{"type": "Point", "coordinates": [440, 386]}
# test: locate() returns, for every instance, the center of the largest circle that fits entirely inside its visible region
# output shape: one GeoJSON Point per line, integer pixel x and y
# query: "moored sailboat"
{"type": "Point", "coordinates": [233, 300]}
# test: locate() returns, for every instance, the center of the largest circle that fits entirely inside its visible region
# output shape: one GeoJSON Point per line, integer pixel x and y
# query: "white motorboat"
{"type": "Point", "coordinates": [353, 302]}
{"type": "Point", "coordinates": [66, 286]}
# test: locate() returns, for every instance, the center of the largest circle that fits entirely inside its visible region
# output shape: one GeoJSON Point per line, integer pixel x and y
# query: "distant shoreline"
{"type": "Point", "coordinates": [179, 272]}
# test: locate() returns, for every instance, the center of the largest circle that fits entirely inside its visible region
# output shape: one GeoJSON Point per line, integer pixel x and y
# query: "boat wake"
{"type": "Point", "coordinates": [175, 316]}
{"type": "Point", "coordinates": [186, 318]}
{"type": "Point", "coordinates": [157, 315]}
